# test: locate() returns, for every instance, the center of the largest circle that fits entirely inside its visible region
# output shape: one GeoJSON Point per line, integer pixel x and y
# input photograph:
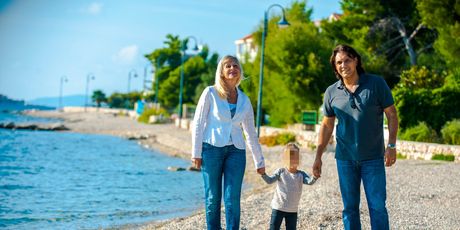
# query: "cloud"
{"type": "Point", "coordinates": [94, 8]}
{"type": "Point", "coordinates": [126, 55]}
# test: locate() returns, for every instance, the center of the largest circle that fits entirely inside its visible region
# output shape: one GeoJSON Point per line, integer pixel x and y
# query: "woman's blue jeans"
{"type": "Point", "coordinates": [228, 162]}
{"type": "Point", "coordinates": [372, 174]}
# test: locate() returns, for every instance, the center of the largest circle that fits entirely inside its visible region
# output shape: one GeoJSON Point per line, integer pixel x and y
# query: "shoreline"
{"type": "Point", "coordinates": [420, 194]}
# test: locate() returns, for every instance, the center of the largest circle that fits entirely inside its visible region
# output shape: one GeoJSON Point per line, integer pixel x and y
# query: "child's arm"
{"type": "Point", "coordinates": [271, 179]}
{"type": "Point", "coordinates": [307, 179]}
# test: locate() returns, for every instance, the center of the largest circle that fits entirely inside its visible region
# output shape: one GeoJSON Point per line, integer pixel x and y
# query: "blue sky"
{"type": "Point", "coordinates": [42, 40]}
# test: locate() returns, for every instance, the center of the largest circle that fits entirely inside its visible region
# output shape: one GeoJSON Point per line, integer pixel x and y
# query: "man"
{"type": "Point", "coordinates": [358, 100]}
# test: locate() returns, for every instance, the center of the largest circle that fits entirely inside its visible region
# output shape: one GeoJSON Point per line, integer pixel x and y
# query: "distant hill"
{"type": "Point", "coordinates": [72, 100]}
{"type": "Point", "coordinates": [7, 104]}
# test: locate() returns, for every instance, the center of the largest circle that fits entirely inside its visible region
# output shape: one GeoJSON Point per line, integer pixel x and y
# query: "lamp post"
{"type": "Point", "coordinates": [63, 79]}
{"type": "Point", "coordinates": [89, 77]}
{"type": "Point", "coordinates": [157, 78]}
{"type": "Point", "coordinates": [134, 74]}
{"type": "Point", "coordinates": [183, 48]}
{"type": "Point", "coordinates": [282, 23]}
{"type": "Point", "coordinates": [144, 87]}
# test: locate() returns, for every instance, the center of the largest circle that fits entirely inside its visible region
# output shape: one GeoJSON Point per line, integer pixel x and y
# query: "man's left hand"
{"type": "Point", "coordinates": [390, 157]}
{"type": "Point", "coordinates": [261, 171]}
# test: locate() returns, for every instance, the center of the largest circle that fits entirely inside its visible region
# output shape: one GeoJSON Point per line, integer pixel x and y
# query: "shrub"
{"type": "Point", "coordinates": [144, 117]}
{"type": "Point", "coordinates": [277, 139]}
{"type": "Point", "coordinates": [268, 140]}
{"type": "Point", "coordinates": [451, 132]}
{"type": "Point", "coordinates": [442, 157]}
{"type": "Point", "coordinates": [285, 138]}
{"type": "Point", "coordinates": [427, 95]}
{"type": "Point", "coordinates": [400, 156]}
{"type": "Point", "coordinates": [420, 133]}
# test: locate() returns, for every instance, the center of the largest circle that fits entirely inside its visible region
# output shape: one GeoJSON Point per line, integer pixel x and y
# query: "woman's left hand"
{"type": "Point", "coordinates": [261, 171]}
{"type": "Point", "coordinates": [196, 163]}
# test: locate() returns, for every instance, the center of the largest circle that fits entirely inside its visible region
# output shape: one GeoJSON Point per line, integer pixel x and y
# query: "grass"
{"type": "Point", "coordinates": [443, 157]}
{"type": "Point", "coordinates": [400, 156]}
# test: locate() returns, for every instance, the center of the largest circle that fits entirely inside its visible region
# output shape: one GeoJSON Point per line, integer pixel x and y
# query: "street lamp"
{"type": "Point", "coordinates": [144, 87]}
{"type": "Point", "coordinates": [183, 47]}
{"type": "Point", "coordinates": [281, 24]}
{"type": "Point", "coordinates": [157, 77]}
{"type": "Point", "coordinates": [63, 79]}
{"type": "Point", "coordinates": [134, 74]}
{"type": "Point", "coordinates": [89, 77]}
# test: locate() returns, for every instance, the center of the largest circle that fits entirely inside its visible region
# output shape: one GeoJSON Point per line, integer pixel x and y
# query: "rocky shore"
{"type": "Point", "coordinates": [420, 194]}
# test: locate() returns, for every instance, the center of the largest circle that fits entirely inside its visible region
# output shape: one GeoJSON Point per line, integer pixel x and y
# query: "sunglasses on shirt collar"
{"type": "Point", "coordinates": [352, 101]}
{"type": "Point", "coordinates": [351, 98]}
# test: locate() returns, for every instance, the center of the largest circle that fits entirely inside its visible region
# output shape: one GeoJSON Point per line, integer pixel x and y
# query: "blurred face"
{"type": "Point", "coordinates": [291, 158]}
{"type": "Point", "coordinates": [345, 65]}
{"type": "Point", "coordinates": [231, 71]}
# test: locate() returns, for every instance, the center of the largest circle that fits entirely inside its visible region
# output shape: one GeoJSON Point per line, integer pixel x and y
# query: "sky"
{"type": "Point", "coordinates": [43, 40]}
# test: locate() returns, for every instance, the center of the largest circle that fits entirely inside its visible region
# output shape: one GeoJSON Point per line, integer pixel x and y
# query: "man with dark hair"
{"type": "Point", "coordinates": [358, 100]}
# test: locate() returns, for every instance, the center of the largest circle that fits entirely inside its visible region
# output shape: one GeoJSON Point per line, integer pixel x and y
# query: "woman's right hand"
{"type": "Point", "coordinates": [196, 163]}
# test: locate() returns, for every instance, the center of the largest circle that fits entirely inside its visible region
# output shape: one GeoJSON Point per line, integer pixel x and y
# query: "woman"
{"type": "Point", "coordinates": [222, 114]}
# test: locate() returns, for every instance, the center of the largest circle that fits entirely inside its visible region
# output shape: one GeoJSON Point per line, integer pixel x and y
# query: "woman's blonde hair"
{"type": "Point", "coordinates": [219, 84]}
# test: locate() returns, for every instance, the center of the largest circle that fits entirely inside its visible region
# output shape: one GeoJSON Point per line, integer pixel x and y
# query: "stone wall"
{"type": "Point", "coordinates": [410, 149]}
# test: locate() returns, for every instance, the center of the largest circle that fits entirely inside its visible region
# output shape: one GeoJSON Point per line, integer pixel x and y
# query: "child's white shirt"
{"type": "Point", "coordinates": [288, 189]}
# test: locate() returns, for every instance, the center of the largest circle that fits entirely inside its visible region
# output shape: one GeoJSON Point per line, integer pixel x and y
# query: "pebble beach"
{"type": "Point", "coordinates": [420, 194]}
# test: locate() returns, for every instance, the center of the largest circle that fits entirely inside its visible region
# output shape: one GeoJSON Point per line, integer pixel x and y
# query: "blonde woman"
{"type": "Point", "coordinates": [223, 113]}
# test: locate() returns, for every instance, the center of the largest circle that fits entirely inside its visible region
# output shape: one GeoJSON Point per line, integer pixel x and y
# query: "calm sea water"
{"type": "Point", "coordinates": [56, 180]}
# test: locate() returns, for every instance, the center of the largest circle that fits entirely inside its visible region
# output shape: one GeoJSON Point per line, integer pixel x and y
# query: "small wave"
{"type": "Point", "coordinates": [14, 187]}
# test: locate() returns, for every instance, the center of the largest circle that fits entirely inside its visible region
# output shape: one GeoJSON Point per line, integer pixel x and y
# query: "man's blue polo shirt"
{"type": "Point", "coordinates": [359, 132]}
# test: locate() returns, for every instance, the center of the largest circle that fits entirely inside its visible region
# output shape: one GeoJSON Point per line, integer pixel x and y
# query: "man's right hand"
{"type": "Point", "coordinates": [196, 163]}
{"type": "Point", "coordinates": [317, 168]}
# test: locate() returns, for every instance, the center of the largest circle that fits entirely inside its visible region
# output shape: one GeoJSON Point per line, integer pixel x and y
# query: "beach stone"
{"type": "Point", "coordinates": [59, 127]}
{"type": "Point", "coordinates": [27, 126]}
{"type": "Point", "coordinates": [175, 169]}
{"type": "Point", "coordinates": [9, 125]}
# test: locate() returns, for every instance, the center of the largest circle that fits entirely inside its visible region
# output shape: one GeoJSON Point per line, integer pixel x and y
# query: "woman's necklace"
{"type": "Point", "coordinates": [232, 96]}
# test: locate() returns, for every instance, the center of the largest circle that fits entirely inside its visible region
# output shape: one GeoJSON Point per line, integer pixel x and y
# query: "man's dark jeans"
{"type": "Point", "coordinates": [372, 174]}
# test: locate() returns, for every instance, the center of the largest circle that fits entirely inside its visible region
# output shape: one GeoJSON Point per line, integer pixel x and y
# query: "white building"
{"type": "Point", "coordinates": [246, 49]}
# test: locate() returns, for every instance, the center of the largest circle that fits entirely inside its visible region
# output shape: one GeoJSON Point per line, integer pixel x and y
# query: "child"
{"type": "Point", "coordinates": [288, 189]}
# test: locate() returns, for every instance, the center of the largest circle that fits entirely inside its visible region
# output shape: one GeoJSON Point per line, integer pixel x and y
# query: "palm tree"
{"type": "Point", "coordinates": [98, 97]}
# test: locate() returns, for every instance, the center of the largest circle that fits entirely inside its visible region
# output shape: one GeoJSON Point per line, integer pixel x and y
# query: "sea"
{"type": "Point", "coordinates": [65, 180]}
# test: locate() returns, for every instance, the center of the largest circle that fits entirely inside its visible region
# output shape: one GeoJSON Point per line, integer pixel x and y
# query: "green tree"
{"type": "Point", "coordinates": [116, 100]}
{"type": "Point", "coordinates": [123, 100]}
{"type": "Point", "coordinates": [98, 97]}
{"type": "Point", "coordinates": [207, 77]}
{"type": "Point", "coordinates": [427, 96]}
{"type": "Point", "coordinates": [444, 17]}
{"type": "Point", "coordinates": [296, 68]}
{"type": "Point", "coordinates": [193, 68]}
{"type": "Point", "coordinates": [198, 71]}
{"type": "Point", "coordinates": [389, 34]}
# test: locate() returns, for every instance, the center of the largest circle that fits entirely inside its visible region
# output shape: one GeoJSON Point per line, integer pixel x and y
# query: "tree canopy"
{"type": "Point", "coordinates": [412, 44]}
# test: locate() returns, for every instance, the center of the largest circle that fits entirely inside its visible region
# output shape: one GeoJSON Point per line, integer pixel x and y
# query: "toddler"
{"type": "Point", "coordinates": [288, 189]}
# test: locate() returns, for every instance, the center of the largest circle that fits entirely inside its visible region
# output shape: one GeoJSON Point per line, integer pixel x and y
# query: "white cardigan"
{"type": "Point", "coordinates": [214, 125]}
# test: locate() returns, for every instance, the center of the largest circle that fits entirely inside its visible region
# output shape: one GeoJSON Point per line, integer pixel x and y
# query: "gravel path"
{"type": "Point", "coordinates": [421, 194]}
